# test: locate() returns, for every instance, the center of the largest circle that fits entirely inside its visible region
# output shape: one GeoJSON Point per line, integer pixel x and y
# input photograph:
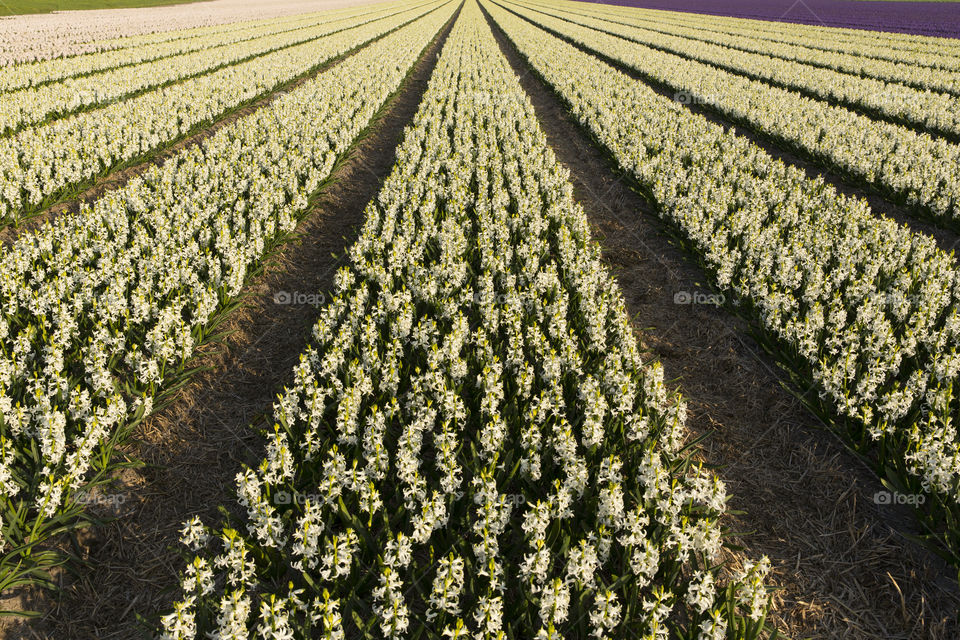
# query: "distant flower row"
{"type": "Point", "coordinates": [26, 38]}
{"type": "Point", "coordinates": [29, 75]}
{"type": "Point", "coordinates": [884, 56]}
{"type": "Point", "coordinates": [900, 26]}
{"type": "Point", "coordinates": [29, 106]}
{"type": "Point", "coordinates": [40, 163]}
{"type": "Point", "coordinates": [917, 169]}
{"type": "Point", "coordinates": [921, 96]}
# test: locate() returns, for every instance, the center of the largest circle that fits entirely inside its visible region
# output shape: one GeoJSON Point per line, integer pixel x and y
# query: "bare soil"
{"type": "Point", "coordinates": [840, 561]}
{"type": "Point", "coordinates": [195, 446]}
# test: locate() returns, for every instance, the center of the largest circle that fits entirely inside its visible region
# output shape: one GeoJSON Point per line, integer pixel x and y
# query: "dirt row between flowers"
{"type": "Point", "coordinates": [195, 446]}
{"type": "Point", "coordinates": [91, 190]}
{"type": "Point", "coordinates": [948, 239]}
{"type": "Point", "coordinates": [840, 560]}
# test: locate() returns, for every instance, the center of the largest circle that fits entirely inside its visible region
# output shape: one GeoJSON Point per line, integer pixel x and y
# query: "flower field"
{"type": "Point", "coordinates": [881, 351]}
{"type": "Point", "coordinates": [45, 162]}
{"type": "Point", "coordinates": [474, 437]}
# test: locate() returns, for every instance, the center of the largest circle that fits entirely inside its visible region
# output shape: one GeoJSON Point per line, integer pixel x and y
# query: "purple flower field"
{"type": "Point", "coordinates": [922, 18]}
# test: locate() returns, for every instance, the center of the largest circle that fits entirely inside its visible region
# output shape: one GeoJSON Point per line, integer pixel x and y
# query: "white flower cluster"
{"type": "Point", "coordinates": [869, 309]}
{"type": "Point", "coordinates": [101, 307]}
{"type": "Point", "coordinates": [890, 95]}
{"type": "Point", "coordinates": [39, 162]}
{"type": "Point", "coordinates": [19, 109]}
{"type": "Point", "coordinates": [473, 333]}
{"type": "Point", "coordinates": [44, 71]}
{"type": "Point", "coordinates": [915, 168]}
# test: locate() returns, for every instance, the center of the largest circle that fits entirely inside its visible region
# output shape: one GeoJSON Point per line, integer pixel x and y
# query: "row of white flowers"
{"type": "Point", "coordinates": [938, 112]}
{"type": "Point", "coordinates": [930, 51]}
{"type": "Point", "coordinates": [105, 44]}
{"type": "Point", "coordinates": [100, 308]}
{"type": "Point", "coordinates": [46, 36]}
{"type": "Point", "coordinates": [866, 309]}
{"type": "Point", "coordinates": [476, 351]}
{"type": "Point", "coordinates": [859, 58]}
{"type": "Point", "coordinates": [40, 163]}
{"type": "Point", "coordinates": [38, 104]}
{"type": "Point", "coordinates": [30, 75]}
{"type": "Point", "coordinates": [913, 168]}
